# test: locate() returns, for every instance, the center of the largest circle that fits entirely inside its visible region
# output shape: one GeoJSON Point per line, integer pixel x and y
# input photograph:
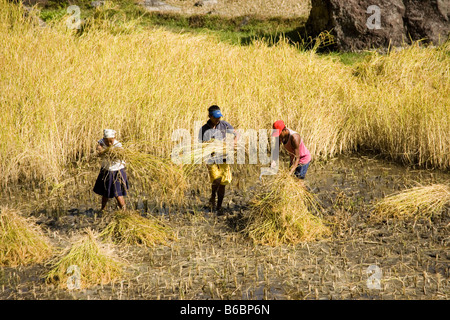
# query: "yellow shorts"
{"type": "Point", "coordinates": [217, 171]}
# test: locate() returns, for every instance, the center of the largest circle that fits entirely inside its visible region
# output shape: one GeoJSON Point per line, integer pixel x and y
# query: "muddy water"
{"type": "Point", "coordinates": [212, 259]}
{"type": "Point", "coordinates": [365, 179]}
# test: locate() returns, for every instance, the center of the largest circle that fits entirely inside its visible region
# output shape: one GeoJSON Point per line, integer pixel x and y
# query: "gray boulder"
{"type": "Point", "coordinates": [366, 24]}
{"type": "Point", "coordinates": [429, 20]}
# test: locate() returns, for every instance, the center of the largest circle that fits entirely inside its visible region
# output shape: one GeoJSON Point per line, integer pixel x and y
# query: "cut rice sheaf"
{"type": "Point", "coordinates": [417, 202]}
{"type": "Point", "coordinates": [158, 176]}
{"type": "Point", "coordinates": [130, 228]}
{"type": "Point", "coordinates": [86, 263]}
{"type": "Point", "coordinates": [21, 241]}
{"type": "Point", "coordinates": [285, 213]}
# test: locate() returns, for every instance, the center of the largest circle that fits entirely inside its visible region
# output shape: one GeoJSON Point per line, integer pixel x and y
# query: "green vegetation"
{"type": "Point", "coordinates": [235, 30]}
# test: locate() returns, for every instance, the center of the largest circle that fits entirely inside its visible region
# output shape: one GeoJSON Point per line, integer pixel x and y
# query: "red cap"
{"type": "Point", "coordinates": [279, 126]}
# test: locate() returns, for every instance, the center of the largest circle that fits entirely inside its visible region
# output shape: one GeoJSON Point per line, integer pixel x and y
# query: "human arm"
{"type": "Point", "coordinates": [231, 130]}
{"type": "Point", "coordinates": [200, 135]}
{"type": "Point", "coordinates": [295, 158]}
{"type": "Point", "coordinates": [236, 138]}
{"type": "Point", "coordinates": [101, 149]}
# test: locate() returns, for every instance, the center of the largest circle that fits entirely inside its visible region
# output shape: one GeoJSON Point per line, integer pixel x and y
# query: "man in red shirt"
{"type": "Point", "coordinates": [293, 143]}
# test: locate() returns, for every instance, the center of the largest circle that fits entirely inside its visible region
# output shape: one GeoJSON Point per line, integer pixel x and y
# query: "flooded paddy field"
{"type": "Point", "coordinates": [213, 259]}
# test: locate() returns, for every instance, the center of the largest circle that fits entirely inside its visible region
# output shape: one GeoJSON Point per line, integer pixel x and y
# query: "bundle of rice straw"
{"type": "Point", "coordinates": [84, 264]}
{"type": "Point", "coordinates": [21, 241]}
{"type": "Point", "coordinates": [159, 177]}
{"type": "Point", "coordinates": [211, 151]}
{"type": "Point", "coordinates": [284, 213]}
{"type": "Point", "coordinates": [128, 227]}
{"type": "Point", "coordinates": [417, 202]}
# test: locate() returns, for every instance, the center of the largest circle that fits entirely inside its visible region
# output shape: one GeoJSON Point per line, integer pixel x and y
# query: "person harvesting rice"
{"type": "Point", "coordinates": [219, 171]}
{"type": "Point", "coordinates": [112, 180]}
{"type": "Point", "coordinates": [293, 143]}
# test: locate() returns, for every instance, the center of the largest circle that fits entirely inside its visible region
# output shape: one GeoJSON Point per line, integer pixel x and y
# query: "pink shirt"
{"type": "Point", "coordinates": [305, 156]}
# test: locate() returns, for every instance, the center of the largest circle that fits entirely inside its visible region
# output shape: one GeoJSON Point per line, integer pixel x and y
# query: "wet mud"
{"type": "Point", "coordinates": [212, 258]}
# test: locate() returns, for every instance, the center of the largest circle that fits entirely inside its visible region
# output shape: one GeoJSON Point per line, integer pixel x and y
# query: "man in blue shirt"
{"type": "Point", "coordinates": [219, 173]}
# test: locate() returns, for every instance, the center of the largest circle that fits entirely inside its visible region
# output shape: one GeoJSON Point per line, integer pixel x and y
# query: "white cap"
{"type": "Point", "coordinates": [109, 133]}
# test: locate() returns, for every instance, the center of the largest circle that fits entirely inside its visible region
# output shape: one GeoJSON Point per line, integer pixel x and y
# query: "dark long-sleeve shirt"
{"type": "Point", "coordinates": [208, 132]}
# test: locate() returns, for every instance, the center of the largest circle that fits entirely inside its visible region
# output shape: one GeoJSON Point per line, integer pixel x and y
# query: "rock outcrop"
{"type": "Point", "coordinates": [428, 20]}
{"type": "Point", "coordinates": [367, 24]}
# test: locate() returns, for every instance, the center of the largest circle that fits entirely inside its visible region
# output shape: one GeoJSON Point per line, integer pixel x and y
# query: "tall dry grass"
{"type": "Point", "coordinates": [407, 105]}
{"type": "Point", "coordinates": [59, 91]}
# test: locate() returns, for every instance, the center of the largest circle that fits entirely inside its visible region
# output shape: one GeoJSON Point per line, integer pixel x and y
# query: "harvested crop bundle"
{"type": "Point", "coordinates": [157, 176]}
{"type": "Point", "coordinates": [211, 151]}
{"type": "Point", "coordinates": [285, 213]}
{"type": "Point", "coordinates": [84, 264]}
{"type": "Point", "coordinates": [128, 227]}
{"type": "Point", "coordinates": [417, 202]}
{"type": "Point", "coordinates": [21, 242]}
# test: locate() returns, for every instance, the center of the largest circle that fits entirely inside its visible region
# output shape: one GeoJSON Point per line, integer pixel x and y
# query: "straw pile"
{"type": "Point", "coordinates": [285, 213]}
{"type": "Point", "coordinates": [94, 262]}
{"type": "Point", "coordinates": [417, 202]}
{"type": "Point", "coordinates": [21, 241]}
{"type": "Point", "coordinates": [130, 228]}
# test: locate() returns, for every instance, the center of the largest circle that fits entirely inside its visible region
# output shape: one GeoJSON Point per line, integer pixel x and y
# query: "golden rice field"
{"type": "Point", "coordinates": [376, 194]}
{"type": "Point", "coordinates": [60, 91]}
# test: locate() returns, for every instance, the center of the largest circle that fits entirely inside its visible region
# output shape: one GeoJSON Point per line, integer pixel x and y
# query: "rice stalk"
{"type": "Point", "coordinates": [21, 241]}
{"type": "Point", "coordinates": [89, 261]}
{"type": "Point", "coordinates": [209, 152]}
{"type": "Point", "coordinates": [130, 228]}
{"type": "Point", "coordinates": [396, 104]}
{"type": "Point", "coordinates": [417, 202]}
{"type": "Point", "coordinates": [285, 213]}
{"type": "Point", "coordinates": [157, 176]}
